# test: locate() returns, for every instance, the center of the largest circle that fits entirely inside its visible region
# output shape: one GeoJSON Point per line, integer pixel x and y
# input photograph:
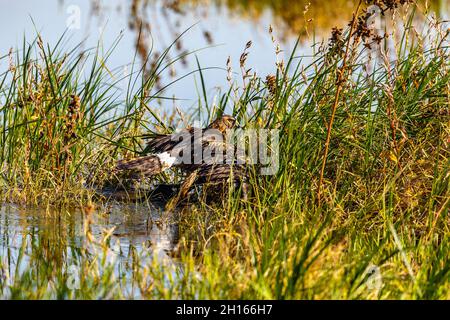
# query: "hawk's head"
{"type": "Point", "coordinates": [223, 123]}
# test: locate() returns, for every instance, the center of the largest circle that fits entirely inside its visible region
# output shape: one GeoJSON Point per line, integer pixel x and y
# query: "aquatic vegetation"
{"type": "Point", "coordinates": [358, 208]}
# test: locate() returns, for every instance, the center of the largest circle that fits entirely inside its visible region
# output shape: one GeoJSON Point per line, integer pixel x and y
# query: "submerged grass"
{"type": "Point", "coordinates": [357, 210]}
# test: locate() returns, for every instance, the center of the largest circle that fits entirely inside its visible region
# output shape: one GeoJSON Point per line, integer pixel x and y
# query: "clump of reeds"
{"type": "Point", "coordinates": [63, 117]}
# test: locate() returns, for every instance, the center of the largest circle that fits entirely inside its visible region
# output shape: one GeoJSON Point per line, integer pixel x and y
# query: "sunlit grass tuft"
{"type": "Point", "coordinates": [363, 181]}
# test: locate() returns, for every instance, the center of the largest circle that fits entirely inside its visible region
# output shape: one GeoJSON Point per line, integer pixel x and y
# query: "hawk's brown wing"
{"type": "Point", "coordinates": [166, 142]}
{"type": "Point", "coordinates": [142, 166]}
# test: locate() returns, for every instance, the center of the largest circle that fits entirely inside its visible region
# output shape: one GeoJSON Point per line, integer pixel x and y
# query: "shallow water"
{"type": "Point", "coordinates": [32, 236]}
{"type": "Point", "coordinates": [133, 224]}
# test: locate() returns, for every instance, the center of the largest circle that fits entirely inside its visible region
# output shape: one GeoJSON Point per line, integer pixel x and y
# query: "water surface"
{"type": "Point", "coordinates": [221, 28]}
{"type": "Point", "coordinates": [63, 238]}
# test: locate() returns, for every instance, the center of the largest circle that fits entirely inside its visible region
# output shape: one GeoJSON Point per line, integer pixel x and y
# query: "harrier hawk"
{"type": "Point", "coordinates": [186, 150]}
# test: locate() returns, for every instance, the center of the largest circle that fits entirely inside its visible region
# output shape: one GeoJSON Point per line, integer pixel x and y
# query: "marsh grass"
{"type": "Point", "coordinates": [363, 178]}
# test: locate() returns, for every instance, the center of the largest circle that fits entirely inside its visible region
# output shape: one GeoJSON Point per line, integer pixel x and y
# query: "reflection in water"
{"type": "Point", "coordinates": [292, 18]}
{"type": "Point", "coordinates": [58, 240]}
